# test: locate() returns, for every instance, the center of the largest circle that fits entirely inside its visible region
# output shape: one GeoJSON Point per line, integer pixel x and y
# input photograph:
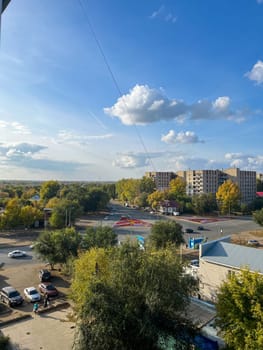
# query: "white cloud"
{"type": "Point", "coordinates": [181, 137]}
{"type": "Point", "coordinates": [15, 127]}
{"type": "Point", "coordinates": [131, 160]}
{"type": "Point", "coordinates": [221, 103]}
{"type": "Point", "coordinates": [144, 105]}
{"type": "Point", "coordinates": [260, 1]}
{"type": "Point", "coordinates": [256, 72]}
{"type": "Point", "coordinates": [65, 136]}
{"type": "Point", "coordinates": [245, 161]}
{"type": "Point", "coordinates": [164, 15]}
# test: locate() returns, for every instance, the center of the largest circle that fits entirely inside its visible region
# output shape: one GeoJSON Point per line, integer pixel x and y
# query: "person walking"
{"type": "Point", "coordinates": [46, 300]}
{"type": "Point", "coordinates": [35, 308]}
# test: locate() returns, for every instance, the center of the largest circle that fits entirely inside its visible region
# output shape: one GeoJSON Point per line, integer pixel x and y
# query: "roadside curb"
{"type": "Point", "coordinates": [59, 306]}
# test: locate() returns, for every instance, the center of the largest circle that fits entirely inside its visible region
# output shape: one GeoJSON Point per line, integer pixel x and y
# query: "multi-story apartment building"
{"type": "Point", "coordinates": [161, 178]}
{"type": "Point", "coordinates": [208, 181]}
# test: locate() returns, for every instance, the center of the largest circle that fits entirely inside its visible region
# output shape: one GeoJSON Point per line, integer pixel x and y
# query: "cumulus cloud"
{"type": "Point", "coordinates": [256, 73]}
{"type": "Point", "coordinates": [144, 105]}
{"type": "Point", "coordinates": [164, 15]}
{"type": "Point", "coordinates": [182, 137]}
{"type": "Point", "coordinates": [245, 161]}
{"type": "Point", "coordinates": [20, 149]}
{"type": "Point", "coordinates": [130, 161]}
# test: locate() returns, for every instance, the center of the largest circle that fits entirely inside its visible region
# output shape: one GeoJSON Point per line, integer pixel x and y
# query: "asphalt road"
{"type": "Point", "coordinates": [212, 230]}
{"type": "Point", "coordinates": [30, 258]}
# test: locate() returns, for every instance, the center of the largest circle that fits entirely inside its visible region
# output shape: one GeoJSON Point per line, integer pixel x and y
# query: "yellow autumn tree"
{"type": "Point", "coordinates": [228, 196]}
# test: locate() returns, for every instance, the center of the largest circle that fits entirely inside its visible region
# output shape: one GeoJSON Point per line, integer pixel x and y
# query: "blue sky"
{"type": "Point", "coordinates": [104, 90]}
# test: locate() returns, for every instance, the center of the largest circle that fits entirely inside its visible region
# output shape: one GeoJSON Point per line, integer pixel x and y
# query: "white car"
{"type": "Point", "coordinates": [32, 294]}
{"type": "Point", "coordinates": [16, 254]}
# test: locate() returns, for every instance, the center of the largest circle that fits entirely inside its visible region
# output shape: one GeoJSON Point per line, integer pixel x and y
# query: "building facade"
{"type": "Point", "coordinates": [161, 178]}
{"type": "Point", "coordinates": [208, 181]}
{"type": "Point", "coordinates": [218, 259]}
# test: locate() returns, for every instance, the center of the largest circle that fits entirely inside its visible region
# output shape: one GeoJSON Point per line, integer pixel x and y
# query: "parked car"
{"type": "Point", "coordinates": [200, 228]}
{"type": "Point", "coordinates": [16, 254]}
{"type": "Point", "coordinates": [11, 296]}
{"type": "Point", "coordinates": [49, 289]}
{"type": "Point", "coordinates": [44, 275]}
{"type": "Point", "coordinates": [189, 230]}
{"type": "Point", "coordinates": [194, 263]}
{"type": "Point", "coordinates": [253, 242]}
{"type": "Point", "coordinates": [32, 294]}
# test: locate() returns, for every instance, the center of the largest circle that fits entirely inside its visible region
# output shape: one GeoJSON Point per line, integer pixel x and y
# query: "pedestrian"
{"type": "Point", "coordinates": [46, 300]}
{"type": "Point", "coordinates": [35, 308]}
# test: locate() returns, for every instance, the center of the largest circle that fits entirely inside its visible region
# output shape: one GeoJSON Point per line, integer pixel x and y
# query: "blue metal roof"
{"type": "Point", "coordinates": [233, 255]}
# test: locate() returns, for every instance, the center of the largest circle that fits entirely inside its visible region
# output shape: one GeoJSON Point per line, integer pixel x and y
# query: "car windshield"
{"type": "Point", "coordinates": [33, 291]}
{"type": "Point", "coordinates": [13, 294]}
{"type": "Point", "coordinates": [50, 287]}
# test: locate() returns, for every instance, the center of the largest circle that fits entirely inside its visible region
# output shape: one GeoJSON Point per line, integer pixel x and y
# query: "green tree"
{"type": "Point", "coordinates": [100, 237]}
{"type": "Point", "coordinates": [48, 190]}
{"type": "Point", "coordinates": [64, 213]}
{"type": "Point", "coordinates": [204, 203]}
{"type": "Point", "coordinates": [164, 233]}
{"type": "Point", "coordinates": [58, 246]}
{"type": "Point", "coordinates": [147, 185]}
{"type": "Point", "coordinates": [240, 310]}
{"type": "Point", "coordinates": [129, 299]}
{"type": "Point", "coordinates": [228, 195]}
{"type": "Point", "coordinates": [258, 216]}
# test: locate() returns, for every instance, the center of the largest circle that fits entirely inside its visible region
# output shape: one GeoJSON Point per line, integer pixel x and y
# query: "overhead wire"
{"type": "Point", "coordinates": [84, 7]}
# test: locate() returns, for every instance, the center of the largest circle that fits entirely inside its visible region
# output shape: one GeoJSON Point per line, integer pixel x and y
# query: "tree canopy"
{"type": "Point", "coordinates": [128, 299]}
{"type": "Point", "coordinates": [228, 196]}
{"type": "Point", "coordinates": [258, 217]}
{"type": "Point", "coordinates": [164, 233]}
{"type": "Point", "coordinates": [100, 237]}
{"type": "Point", "coordinates": [240, 310]}
{"type": "Point", "coordinates": [58, 246]}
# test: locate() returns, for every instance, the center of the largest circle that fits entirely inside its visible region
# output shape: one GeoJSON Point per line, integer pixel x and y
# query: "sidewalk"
{"type": "Point", "coordinates": [47, 331]}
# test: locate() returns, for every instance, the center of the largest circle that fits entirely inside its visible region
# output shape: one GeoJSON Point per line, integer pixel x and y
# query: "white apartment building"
{"type": "Point", "coordinates": [208, 181]}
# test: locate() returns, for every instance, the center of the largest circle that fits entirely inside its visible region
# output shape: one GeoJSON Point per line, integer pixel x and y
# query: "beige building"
{"type": "Point", "coordinates": [161, 178]}
{"type": "Point", "coordinates": [219, 258]}
{"type": "Point", "coordinates": [208, 181]}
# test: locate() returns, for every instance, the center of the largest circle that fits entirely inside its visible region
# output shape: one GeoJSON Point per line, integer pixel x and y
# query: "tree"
{"type": "Point", "coordinates": [64, 213]}
{"type": "Point", "coordinates": [12, 214]}
{"type": "Point", "coordinates": [258, 216]}
{"type": "Point", "coordinates": [29, 215]}
{"type": "Point", "coordinates": [147, 185]}
{"type": "Point", "coordinates": [204, 203]}
{"type": "Point", "coordinates": [164, 233]}
{"type": "Point", "coordinates": [155, 198]}
{"type": "Point", "coordinates": [240, 310]}
{"type": "Point", "coordinates": [177, 189]}
{"type": "Point", "coordinates": [228, 196]}
{"type": "Point", "coordinates": [129, 299]}
{"type": "Point", "coordinates": [58, 246]}
{"type": "Point", "coordinates": [48, 190]}
{"type": "Point", "coordinates": [100, 237]}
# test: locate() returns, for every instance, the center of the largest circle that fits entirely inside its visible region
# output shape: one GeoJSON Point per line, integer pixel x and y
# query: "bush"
{"type": "Point", "coordinates": [4, 341]}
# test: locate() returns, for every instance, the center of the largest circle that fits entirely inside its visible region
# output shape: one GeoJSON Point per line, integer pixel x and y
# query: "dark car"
{"type": "Point", "coordinates": [48, 289]}
{"type": "Point", "coordinates": [11, 296]}
{"type": "Point", "coordinates": [189, 230]}
{"type": "Point", "coordinates": [200, 228]}
{"type": "Point", "coordinates": [44, 275]}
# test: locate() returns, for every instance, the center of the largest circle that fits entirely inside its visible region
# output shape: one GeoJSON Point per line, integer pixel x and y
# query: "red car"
{"type": "Point", "coordinates": [49, 289]}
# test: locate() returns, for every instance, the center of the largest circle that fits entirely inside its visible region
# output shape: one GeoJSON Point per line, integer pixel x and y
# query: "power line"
{"type": "Point", "coordinates": [106, 62]}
